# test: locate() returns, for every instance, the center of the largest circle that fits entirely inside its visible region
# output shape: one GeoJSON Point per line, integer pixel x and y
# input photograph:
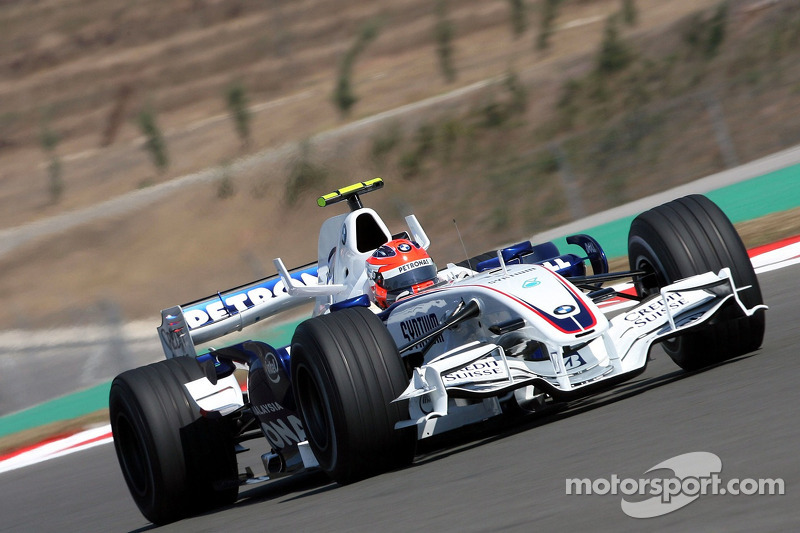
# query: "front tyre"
{"type": "Point", "coordinates": [691, 236]}
{"type": "Point", "coordinates": [174, 462]}
{"type": "Point", "coordinates": [346, 371]}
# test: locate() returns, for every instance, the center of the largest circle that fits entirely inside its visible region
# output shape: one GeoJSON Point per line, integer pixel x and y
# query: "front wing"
{"type": "Point", "coordinates": [482, 370]}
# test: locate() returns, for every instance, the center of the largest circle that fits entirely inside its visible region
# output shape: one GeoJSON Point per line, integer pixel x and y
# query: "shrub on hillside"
{"type": "Point", "coordinates": [304, 174]}
{"type": "Point", "coordinates": [343, 96]}
{"type": "Point", "coordinates": [549, 11]}
{"type": "Point", "coordinates": [55, 183]}
{"type": "Point", "coordinates": [443, 32]}
{"type": "Point", "coordinates": [629, 12]}
{"type": "Point", "coordinates": [614, 54]}
{"type": "Point", "coordinates": [154, 142]}
{"type": "Point", "coordinates": [236, 99]}
{"type": "Point", "coordinates": [519, 18]}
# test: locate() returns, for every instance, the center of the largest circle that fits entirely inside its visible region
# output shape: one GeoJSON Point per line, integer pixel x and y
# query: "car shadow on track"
{"type": "Point", "coordinates": [291, 488]}
{"type": "Point", "coordinates": [300, 486]}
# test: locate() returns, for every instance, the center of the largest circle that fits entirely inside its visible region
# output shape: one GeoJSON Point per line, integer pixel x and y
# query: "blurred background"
{"type": "Point", "coordinates": [155, 152]}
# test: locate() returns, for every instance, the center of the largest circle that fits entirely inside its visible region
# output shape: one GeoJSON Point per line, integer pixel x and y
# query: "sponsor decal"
{"type": "Point", "coordinates": [282, 433]}
{"type": "Point", "coordinates": [582, 320]}
{"type": "Point", "coordinates": [418, 326]}
{"type": "Point", "coordinates": [225, 305]}
{"type": "Point", "coordinates": [655, 310]}
{"type": "Point", "coordinates": [485, 370]}
{"type": "Point", "coordinates": [408, 266]}
{"type": "Point", "coordinates": [272, 368]}
{"type": "Point", "coordinates": [425, 404]}
{"type": "Point", "coordinates": [404, 247]}
{"type": "Point", "coordinates": [267, 408]}
{"type": "Point", "coordinates": [175, 339]}
{"type": "Point", "coordinates": [531, 283]}
{"type": "Point", "coordinates": [511, 275]}
{"type": "Point", "coordinates": [563, 310]}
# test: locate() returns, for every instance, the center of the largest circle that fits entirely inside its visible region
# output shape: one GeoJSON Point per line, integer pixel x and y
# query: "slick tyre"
{"type": "Point", "coordinates": [174, 462]}
{"type": "Point", "coordinates": [690, 236]}
{"type": "Point", "coordinates": [346, 371]}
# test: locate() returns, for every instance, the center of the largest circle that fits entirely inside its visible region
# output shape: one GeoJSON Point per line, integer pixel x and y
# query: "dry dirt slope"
{"type": "Point", "coordinates": [73, 72]}
{"type": "Point", "coordinates": [84, 69]}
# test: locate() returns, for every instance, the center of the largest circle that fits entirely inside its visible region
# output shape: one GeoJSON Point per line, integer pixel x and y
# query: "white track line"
{"type": "Point", "coordinates": [75, 443]}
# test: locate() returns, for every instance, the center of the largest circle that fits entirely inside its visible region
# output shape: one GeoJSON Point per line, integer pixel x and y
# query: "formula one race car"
{"type": "Point", "coordinates": [397, 351]}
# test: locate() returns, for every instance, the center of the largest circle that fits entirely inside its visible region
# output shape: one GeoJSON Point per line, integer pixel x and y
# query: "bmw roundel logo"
{"type": "Point", "coordinates": [563, 309]}
{"type": "Point", "coordinates": [404, 247]}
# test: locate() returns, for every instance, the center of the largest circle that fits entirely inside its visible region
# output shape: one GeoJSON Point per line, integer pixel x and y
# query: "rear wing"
{"type": "Point", "coordinates": [184, 326]}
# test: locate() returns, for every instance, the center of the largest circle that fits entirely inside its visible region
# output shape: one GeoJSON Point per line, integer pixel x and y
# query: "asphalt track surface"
{"type": "Point", "coordinates": [509, 477]}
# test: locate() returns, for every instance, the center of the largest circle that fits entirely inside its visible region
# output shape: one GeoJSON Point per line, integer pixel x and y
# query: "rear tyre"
{"type": "Point", "coordinates": [346, 371]}
{"type": "Point", "coordinates": [690, 236]}
{"type": "Point", "coordinates": [175, 462]}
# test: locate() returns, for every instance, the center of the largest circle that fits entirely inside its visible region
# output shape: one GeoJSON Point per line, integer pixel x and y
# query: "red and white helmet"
{"type": "Point", "coordinates": [399, 268]}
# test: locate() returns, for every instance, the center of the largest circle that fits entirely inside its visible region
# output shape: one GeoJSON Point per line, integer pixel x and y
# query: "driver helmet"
{"type": "Point", "coordinates": [399, 268]}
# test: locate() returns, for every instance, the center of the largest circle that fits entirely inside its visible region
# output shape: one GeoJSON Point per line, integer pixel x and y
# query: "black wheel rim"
{"type": "Point", "coordinates": [648, 283]}
{"type": "Point", "coordinates": [314, 409]}
{"type": "Point", "coordinates": [132, 454]}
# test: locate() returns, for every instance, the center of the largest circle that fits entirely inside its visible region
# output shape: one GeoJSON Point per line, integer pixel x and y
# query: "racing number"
{"type": "Point", "coordinates": [573, 361]}
{"type": "Point", "coordinates": [556, 264]}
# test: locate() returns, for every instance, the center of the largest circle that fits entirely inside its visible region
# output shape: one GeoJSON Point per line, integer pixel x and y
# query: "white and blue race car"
{"type": "Point", "coordinates": [358, 387]}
